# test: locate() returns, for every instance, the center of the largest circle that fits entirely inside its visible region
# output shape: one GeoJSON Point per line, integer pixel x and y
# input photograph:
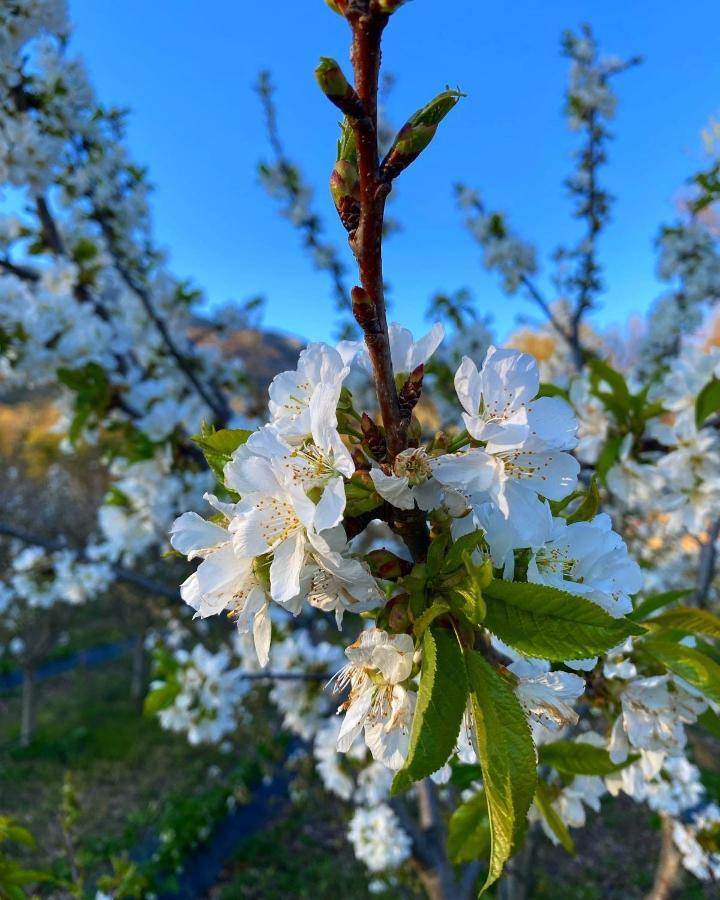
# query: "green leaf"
{"type": "Point", "coordinates": [547, 389]}
{"type": "Point", "coordinates": [543, 801]}
{"type": "Point", "coordinates": [469, 830]}
{"type": "Point", "coordinates": [547, 623]}
{"type": "Point", "coordinates": [219, 446]}
{"type": "Point", "coordinates": [456, 554]}
{"type": "Point", "coordinates": [507, 758]}
{"type": "Point", "coordinates": [707, 402]}
{"type": "Point", "coordinates": [710, 721]}
{"type": "Point", "coordinates": [576, 758]}
{"type": "Point", "coordinates": [588, 509]}
{"type": "Point", "coordinates": [436, 554]}
{"type": "Point", "coordinates": [442, 696]}
{"type": "Point", "coordinates": [690, 620]}
{"type": "Point", "coordinates": [656, 601]}
{"type": "Point", "coordinates": [360, 494]}
{"type": "Point", "coordinates": [619, 400]}
{"type": "Point", "coordinates": [694, 667]}
{"type": "Point", "coordinates": [425, 620]}
{"type": "Point", "coordinates": [609, 455]}
{"type": "Point", "coordinates": [160, 698]}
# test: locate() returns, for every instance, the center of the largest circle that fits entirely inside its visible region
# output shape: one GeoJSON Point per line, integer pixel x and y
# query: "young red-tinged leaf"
{"type": "Point", "coordinates": [507, 758]}
{"type": "Point", "coordinates": [544, 622]}
{"type": "Point", "coordinates": [442, 696]}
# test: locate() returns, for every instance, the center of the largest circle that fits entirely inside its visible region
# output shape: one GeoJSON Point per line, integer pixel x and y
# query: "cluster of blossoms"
{"type": "Point", "coordinates": [503, 634]}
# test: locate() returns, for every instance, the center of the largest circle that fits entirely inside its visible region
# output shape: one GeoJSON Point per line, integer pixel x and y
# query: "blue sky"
{"type": "Point", "coordinates": [186, 69]}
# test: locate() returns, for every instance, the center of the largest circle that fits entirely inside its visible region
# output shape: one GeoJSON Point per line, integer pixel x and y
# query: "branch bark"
{"type": "Point", "coordinates": [366, 240]}
{"type": "Point", "coordinates": [123, 574]}
{"type": "Point", "coordinates": [668, 866]}
{"type": "Point", "coordinates": [707, 565]}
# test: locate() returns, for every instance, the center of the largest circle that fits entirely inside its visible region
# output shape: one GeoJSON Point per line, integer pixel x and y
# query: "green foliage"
{"type": "Point", "coordinates": [507, 758]}
{"type": "Point", "coordinates": [92, 394]}
{"type": "Point", "coordinates": [710, 721]}
{"type": "Point", "coordinates": [590, 505]}
{"type": "Point", "coordinates": [690, 620]}
{"type": "Point", "coordinates": [550, 624]}
{"type": "Point", "coordinates": [14, 877]}
{"type": "Point", "coordinates": [574, 758]}
{"type": "Point", "coordinates": [219, 446]}
{"type": "Point", "coordinates": [693, 666]}
{"type": "Point", "coordinates": [654, 602]}
{"type": "Point", "coordinates": [707, 402]}
{"type": "Point", "coordinates": [423, 622]}
{"type": "Point", "coordinates": [469, 830]}
{"type": "Point", "coordinates": [543, 801]}
{"type": "Point", "coordinates": [361, 496]}
{"type": "Point", "coordinates": [440, 705]}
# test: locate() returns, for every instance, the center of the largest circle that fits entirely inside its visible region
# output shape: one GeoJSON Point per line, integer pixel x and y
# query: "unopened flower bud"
{"type": "Point", "coordinates": [345, 190]}
{"type": "Point", "coordinates": [338, 6]}
{"type": "Point", "coordinates": [417, 133]}
{"type": "Point", "coordinates": [336, 88]}
{"type": "Point", "coordinates": [399, 616]}
{"type": "Point", "coordinates": [364, 310]}
{"type": "Point", "coordinates": [386, 565]}
{"type": "Point", "coordinates": [410, 392]}
{"type": "Point", "coordinates": [374, 438]}
{"type": "Point", "coordinates": [389, 6]}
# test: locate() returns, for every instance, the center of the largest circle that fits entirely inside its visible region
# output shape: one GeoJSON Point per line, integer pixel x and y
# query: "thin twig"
{"type": "Point", "coordinates": [123, 574]}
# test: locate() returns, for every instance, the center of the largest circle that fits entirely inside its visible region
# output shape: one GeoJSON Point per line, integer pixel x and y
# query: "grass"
{"type": "Point", "coordinates": [126, 769]}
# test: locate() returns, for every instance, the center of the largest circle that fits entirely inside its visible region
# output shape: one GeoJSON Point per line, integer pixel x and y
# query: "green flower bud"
{"type": "Point", "coordinates": [417, 133]}
{"type": "Point", "coordinates": [389, 6]}
{"type": "Point", "coordinates": [337, 89]}
{"type": "Point", "coordinates": [345, 190]}
{"type": "Point", "coordinates": [338, 6]}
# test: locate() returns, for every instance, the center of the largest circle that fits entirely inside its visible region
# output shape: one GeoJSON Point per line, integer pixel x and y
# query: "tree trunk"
{"type": "Point", "coordinates": [668, 865]}
{"type": "Point", "coordinates": [27, 715]}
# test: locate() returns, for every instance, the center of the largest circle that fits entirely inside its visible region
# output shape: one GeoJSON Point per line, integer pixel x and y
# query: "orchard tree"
{"type": "Point", "coordinates": [506, 653]}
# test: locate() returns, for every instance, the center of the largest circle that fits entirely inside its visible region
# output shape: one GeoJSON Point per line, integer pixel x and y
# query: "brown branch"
{"type": "Point", "coordinates": [123, 574]}
{"type": "Point", "coordinates": [366, 241]}
{"type": "Point", "coordinates": [214, 399]}
{"type": "Point", "coordinates": [707, 565]}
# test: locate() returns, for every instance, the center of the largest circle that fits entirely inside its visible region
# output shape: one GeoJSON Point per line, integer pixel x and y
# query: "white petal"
{"type": "Point", "coordinates": [330, 509]}
{"type": "Point", "coordinates": [193, 536]}
{"type": "Point", "coordinates": [286, 567]}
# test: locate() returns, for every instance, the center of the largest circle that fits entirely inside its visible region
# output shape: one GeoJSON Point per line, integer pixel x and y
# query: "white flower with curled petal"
{"type": "Point", "coordinates": [378, 702]}
{"type": "Point", "coordinates": [406, 353]}
{"type": "Point", "coordinates": [223, 580]}
{"type": "Point", "coordinates": [547, 697]}
{"type": "Point", "coordinates": [433, 481]}
{"type": "Point", "coordinates": [654, 713]}
{"type": "Point", "coordinates": [529, 436]}
{"type": "Point", "coordinates": [590, 559]}
{"type": "Point", "coordinates": [335, 581]}
{"type": "Point", "coordinates": [277, 516]}
{"type": "Point", "coordinates": [320, 370]}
